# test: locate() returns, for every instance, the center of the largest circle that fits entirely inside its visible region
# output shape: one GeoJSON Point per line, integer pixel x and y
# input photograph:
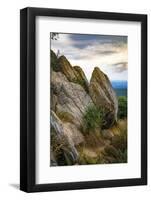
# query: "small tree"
{"type": "Point", "coordinates": [54, 36]}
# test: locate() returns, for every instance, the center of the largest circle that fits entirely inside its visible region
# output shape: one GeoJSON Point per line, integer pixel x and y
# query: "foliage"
{"type": "Point", "coordinates": [54, 36]}
{"type": "Point", "coordinates": [113, 152]}
{"type": "Point", "coordinates": [122, 107]}
{"type": "Point", "coordinates": [93, 118]}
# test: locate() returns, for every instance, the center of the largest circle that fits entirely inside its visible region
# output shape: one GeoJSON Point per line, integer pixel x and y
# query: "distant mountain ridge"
{"type": "Point", "coordinates": [119, 84]}
{"type": "Point", "coordinates": [120, 87]}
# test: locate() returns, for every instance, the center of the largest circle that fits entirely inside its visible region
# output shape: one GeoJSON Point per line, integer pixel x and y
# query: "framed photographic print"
{"type": "Point", "coordinates": [83, 99]}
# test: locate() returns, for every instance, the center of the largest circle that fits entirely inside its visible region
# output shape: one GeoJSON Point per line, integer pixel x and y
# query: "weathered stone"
{"type": "Point", "coordinates": [71, 97]}
{"type": "Point", "coordinates": [74, 74]}
{"type": "Point", "coordinates": [66, 68]}
{"type": "Point", "coordinates": [103, 96]}
{"type": "Point", "coordinates": [54, 61]}
{"type": "Point", "coordinates": [53, 102]}
{"type": "Point", "coordinates": [61, 132]}
{"type": "Point", "coordinates": [81, 78]}
{"type": "Point", "coordinates": [73, 133]}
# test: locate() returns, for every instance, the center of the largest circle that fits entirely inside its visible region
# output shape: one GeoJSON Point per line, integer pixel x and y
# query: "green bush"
{"type": "Point", "coordinates": [93, 118]}
{"type": "Point", "coordinates": [122, 107]}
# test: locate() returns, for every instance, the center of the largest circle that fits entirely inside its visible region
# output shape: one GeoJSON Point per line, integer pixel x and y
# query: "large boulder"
{"type": "Point", "coordinates": [81, 78]}
{"type": "Point", "coordinates": [62, 141]}
{"type": "Point", "coordinates": [103, 96]}
{"type": "Point", "coordinates": [72, 99]}
{"type": "Point", "coordinates": [73, 133]}
{"type": "Point", "coordinates": [66, 68]}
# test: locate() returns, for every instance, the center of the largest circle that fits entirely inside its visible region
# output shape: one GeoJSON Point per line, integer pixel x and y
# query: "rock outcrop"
{"type": "Point", "coordinates": [81, 78]}
{"type": "Point", "coordinates": [54, 61]}
{"type": "Point", "coordinates": [71, 94]}
{"type": "Point", "coordinates": [103, 96]}
{"type": "Point", "coordinates": [73, 74]}
{"type": "Point", "coordinates": [72, 99]}
{"type": "Point", "coordinates": [66, 68]}
{"type": "Point", "coordinates": [60, 132]}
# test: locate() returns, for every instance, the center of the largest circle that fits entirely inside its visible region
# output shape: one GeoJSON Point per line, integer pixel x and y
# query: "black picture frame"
{"type": "Point", "coordinates": [28, 98]}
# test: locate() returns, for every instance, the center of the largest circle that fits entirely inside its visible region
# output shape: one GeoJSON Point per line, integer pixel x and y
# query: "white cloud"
{"type": "Point", "coordinates": [110, 57]}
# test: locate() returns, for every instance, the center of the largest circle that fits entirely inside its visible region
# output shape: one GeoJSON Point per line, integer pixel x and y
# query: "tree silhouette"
{"type": "Point", "coordinates": [54, 36]}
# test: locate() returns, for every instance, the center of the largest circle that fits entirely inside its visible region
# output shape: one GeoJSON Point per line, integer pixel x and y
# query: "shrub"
{"type": "Point", "coordinates": [122, 107]}
{"type": "Point", "coordinates": [93, 118]}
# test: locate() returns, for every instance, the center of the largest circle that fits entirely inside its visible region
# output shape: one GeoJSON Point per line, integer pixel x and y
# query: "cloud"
{"type": "Point", "coordinates": [107, 52]}
{"type": "Point", "coordinates": [84, 40]}
{"type": "Point", "coordinates": [120, 67]}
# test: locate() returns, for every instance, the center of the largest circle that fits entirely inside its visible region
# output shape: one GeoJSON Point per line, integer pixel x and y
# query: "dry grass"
{"type": "Point", "coordinates": [98, 150]}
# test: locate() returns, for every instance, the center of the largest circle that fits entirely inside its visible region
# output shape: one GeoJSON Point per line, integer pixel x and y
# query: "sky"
{"type": "Point", "coordinates": [108, 52]}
